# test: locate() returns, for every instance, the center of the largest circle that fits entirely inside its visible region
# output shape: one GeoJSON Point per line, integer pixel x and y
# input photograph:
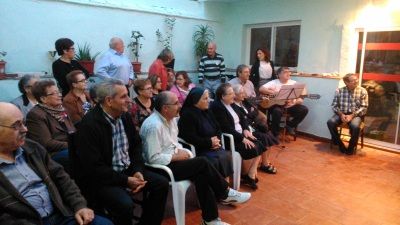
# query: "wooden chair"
{"type": "Point", "coordinates": [286, 117]}
{"type": "Point", "coordinates": [347, 134]}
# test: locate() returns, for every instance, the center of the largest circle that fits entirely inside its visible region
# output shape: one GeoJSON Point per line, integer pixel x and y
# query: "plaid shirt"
{"type": "Point", "coordinates": [348, 102]}
{"type": "Point", "coordinates": [120, 160]}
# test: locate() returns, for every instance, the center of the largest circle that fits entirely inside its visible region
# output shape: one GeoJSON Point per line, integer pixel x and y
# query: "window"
{"type": "Point", "coordinates": [281, 39]}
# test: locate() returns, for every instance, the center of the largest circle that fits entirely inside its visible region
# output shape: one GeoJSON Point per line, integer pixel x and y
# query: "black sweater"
{"type": "Point", "coordinates": [60, 71]}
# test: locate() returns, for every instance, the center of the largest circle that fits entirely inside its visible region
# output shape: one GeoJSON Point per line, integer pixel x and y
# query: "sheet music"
{"type": "Point", "coordinates": [288, 92]}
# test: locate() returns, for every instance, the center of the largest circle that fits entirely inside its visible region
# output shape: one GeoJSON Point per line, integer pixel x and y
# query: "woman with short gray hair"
{"type": "Point", "coordinates": [26, 101]}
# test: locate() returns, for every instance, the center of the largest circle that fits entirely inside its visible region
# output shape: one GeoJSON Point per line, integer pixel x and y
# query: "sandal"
{"type": "Point", "coordinates": [244, 177]}
{"type": "Point", "coordinates": [268, 169]}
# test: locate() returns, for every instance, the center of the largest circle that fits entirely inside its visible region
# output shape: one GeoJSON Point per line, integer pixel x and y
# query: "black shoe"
{"type": "Point", "coordinates": [291, 130]}
{"type": "Point", "coordinates": [342, 148]}
{"type": "Point", "coordinates": [246, 180]}
{"type": "Point", "coordinates": [351, 151]}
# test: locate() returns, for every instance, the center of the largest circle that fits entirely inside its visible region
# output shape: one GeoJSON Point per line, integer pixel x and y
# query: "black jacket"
{"type": "Point", "coordinates": [95, 152]}
{"type": "Point", "coordinates": [64, 193]}
{"type": "Point", "coordinates": [255, 73]}
{"type": "Point", "coordinates": [191, 128]}
{"type": "Point", "coordinates": [226, 122]}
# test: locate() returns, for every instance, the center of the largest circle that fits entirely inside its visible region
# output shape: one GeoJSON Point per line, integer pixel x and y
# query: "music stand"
{"type": "Point", "coordinates": [289, 92]}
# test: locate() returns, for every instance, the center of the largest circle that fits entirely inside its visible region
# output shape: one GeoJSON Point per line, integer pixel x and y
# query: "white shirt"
{"type": "Point", "coordinates": [236, 120]}
{"type": "Point", "coordinates": [276, 84]}
{"type": "Point", "coordinates": [265, 70]}
{"type": "Point", "coordinates": [160, 139]}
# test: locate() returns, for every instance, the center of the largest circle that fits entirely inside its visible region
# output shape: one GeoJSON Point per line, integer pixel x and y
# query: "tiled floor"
{"type": "Point", "coordinates": [318, 186]}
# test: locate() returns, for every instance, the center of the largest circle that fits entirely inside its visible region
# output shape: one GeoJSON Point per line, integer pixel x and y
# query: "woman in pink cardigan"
{"type": "Point", "coordinates": [182, 86]}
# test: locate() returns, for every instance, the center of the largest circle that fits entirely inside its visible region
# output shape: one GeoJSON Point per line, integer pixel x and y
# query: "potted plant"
{"type": "Point", "coordinates": [135, 46]}
{"type": "Point", "coordinates": [201, 37]}
{"type": "Point", "coordinates": [2, 62]}
{"type": "Point", "coordinates": [84, 57]}
{"type": "Point", "coordinates": [166, 39]}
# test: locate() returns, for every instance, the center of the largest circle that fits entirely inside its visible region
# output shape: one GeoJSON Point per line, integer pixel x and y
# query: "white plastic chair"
{"type": "Point", "coordinates": [236, 160]}
{"type": "Point", "coordinates": [192, 148]}
{"type": "Point", "coordinates": [179, 189]}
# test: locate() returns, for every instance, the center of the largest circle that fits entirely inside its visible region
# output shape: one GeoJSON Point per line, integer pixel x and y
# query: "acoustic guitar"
{"type": "Point", "coordinates": [266, 101]}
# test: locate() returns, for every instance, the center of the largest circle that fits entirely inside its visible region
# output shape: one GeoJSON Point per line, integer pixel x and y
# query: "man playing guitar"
{"type": "Point", "coordinates": [294, 107]}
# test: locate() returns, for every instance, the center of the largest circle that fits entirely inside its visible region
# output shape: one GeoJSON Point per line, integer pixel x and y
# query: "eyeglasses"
{"type": "Point", "coordinates": [81, 81]}
{"type": "Point", "coordinates": [18, 125]}
{"type": "Point", "coordinates": [147, 89]}
{"type": "Point", "coordinates": [176, 103]}
{"type": "Point", "coordinates": [54, 93]}
{"type": "Point", "coordinates": [73, 49]}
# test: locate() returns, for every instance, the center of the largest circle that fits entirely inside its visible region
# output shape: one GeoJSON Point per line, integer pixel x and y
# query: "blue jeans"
{"type": "Point", "coordinates": [211, 86]}
{"type": "Point", "coordinates": [354, 126]}
{"type": "Point", "coordinates": [58, 219]}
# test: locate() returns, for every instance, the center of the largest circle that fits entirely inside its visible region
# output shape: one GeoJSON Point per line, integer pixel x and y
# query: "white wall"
{"type": "Point", "coordinates": [29, 28]}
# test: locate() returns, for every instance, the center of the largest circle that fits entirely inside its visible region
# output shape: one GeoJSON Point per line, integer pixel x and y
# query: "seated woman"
{"type": "Point", "coordinates": [77, 102]}
{"type": "Point", "coordinates": [233, 123]}
{"type": "Point", "coordinates": [26, 101]}
{"type": "Point", "coordinates": [258, 125]}
{"type": "Point", "coordinates": [155, 84]}
{"type": "Point", "coordinates": [143, 104]}
{"type": "Point", "coordinates": [48, 122]}
{"type": "Point", "coordinates": [182, 86]}
{"type": "Point", "coordinates": [198, 126]}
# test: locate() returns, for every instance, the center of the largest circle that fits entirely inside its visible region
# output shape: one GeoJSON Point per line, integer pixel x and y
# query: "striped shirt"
{"type": "Point", "coordinates": [120, 159]}
{"type": "Point", "coordinates": [349, 102]}
{"type": "Point", "coordinates": [211, 68]}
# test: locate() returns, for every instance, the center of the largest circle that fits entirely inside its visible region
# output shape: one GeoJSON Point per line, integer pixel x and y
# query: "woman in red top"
{"type": "Point", "coordinates": [158, 66]}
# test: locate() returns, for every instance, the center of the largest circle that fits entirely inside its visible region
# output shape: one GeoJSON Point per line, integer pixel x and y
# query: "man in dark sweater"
{"type": "Point", "coordinates": [33, 188]}
{"type": "Point", "coordinates": [66, 63]}
{"type": "Point", "coordinates": [111, 166]}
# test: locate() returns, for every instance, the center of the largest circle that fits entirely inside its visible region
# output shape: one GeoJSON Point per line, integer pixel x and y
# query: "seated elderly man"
{"type": "Point", "coordinates": [159, 133]}
{"type": "Point", "coordinates": [350, 106]}
{"type": "Point", "coordinates": [34, 189]}
{"type": "Point", "coordinates": [110, 159]}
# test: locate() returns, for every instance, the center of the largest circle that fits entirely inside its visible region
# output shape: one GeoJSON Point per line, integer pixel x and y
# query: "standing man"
{"type": "Point", "coordinates": [294, 107]}
{"type": "Point", "coordinates": [34, 189]}
{"type": "Point", "coordinates": [114, 64]}
{"type": "Point", "coordinates": [211, 69]}
{"type": "Point", "coordinates": [110, 159]}
{"type": "Point", "coordinates": [160, 142]}
{"type": "Point", "coordinates": [243, 76]}
{"type": "Point", "coordinates": [350, 106]}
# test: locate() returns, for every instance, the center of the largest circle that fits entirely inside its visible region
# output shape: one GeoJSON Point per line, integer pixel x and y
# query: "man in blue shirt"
{"type": "Point", "coordinates": [33, 188]}
{"type": "Point", "coordinates": [114, 64]}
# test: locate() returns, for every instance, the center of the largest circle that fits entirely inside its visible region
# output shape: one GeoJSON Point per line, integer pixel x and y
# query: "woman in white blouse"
{"type": "Point", "coordinates": [263, 69]}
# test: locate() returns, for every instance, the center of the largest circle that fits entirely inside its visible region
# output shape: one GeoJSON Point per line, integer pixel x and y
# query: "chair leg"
{"type": "Point", "coordinates": [237, 165]}
{"type": "Point", "coordinates": [178, 198]}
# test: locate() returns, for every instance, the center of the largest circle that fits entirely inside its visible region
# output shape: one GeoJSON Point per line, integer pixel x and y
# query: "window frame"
{"type": "Point", "coordinates": [273, 26]}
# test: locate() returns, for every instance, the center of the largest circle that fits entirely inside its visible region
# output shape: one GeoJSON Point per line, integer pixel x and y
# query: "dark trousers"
{"type": "Point", "coordinates": [297, 112]}
{"type": "Point", "coordinates": [354, 126]}
{"type": "Point", "coordinates": [210, 185]}
{"type": "Point", "coordinates": [118, 202]}
{"type": "Point", "coordinates": [58, 219]}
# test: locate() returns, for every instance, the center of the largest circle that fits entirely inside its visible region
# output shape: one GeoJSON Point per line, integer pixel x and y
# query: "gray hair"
{"type": "Point", "coordinates": [24, 81]}
{"type": "Point", "coordinates": [346, 77]}
{"type": "Point", "coordinates": [107, 88]}
{"type": "Point", "coordinates": [237, 88]}
{"type": "Point", "coordinates": [240, 68]}
{"type": "Point", "coordinates": [162, 99]}
{"type": "Point", "coordinates": [212, 43]}
{"type": "Point", "coordinates": [165, 55]}
{"type": "Point", "coordinates": [114, 41]}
